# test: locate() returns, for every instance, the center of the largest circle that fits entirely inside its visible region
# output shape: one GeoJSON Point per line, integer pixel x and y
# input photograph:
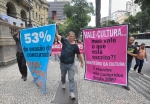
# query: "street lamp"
{"type": "Point", "coordinates": [30, 22]}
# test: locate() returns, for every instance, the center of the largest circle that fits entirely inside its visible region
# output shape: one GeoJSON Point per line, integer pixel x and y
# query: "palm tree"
{"type": "Point", "coordinates": [98, 12]}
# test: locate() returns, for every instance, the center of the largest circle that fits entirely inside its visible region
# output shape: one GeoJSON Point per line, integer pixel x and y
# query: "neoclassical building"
{"type": "Point", "coordinates": [16, 12]}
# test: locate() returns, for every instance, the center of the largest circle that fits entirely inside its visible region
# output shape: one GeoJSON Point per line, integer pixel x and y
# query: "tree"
{"type": "Point", "coordinates": [62, 27]}
{"type": "Point", "coordinates": [143, 21]}
{"type": "Point", "coordinates": [110, 22]}
{"type": "Point", "coordinates": [98, 10]}
{"type": "Point", "coordinates": [78, 15]}
{"type": "Point", "coordinates": [50, 21]}
{"type": "Point", "coordinates": [145, 5]}
{"type": "Point", "coordinates": [138, 23]}
{"type": "Point", "coordinates": [63, 30]}
{"type": "Point", "coordinates": [133, 26]}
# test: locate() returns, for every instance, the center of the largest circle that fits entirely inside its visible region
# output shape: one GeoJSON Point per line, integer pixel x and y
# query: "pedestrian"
{"type": "Point", "coordinates": [20, 56]}
{"type": "Point", "coordinates": [80, 43]}
{"type": "Point", "coordinates": [69, 49]}
{"type": "Point", "coordinates": [140, 58]}
{"type": "Point", "coordinates": [56, 55]}
{"type": "Point", "coordinates": [131, 52]}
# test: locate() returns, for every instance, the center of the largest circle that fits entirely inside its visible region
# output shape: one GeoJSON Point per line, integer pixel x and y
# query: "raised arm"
{"type": "Point", "coordinates": [57, 34]}
{"type": "Point", "coordinates": [15, 35]}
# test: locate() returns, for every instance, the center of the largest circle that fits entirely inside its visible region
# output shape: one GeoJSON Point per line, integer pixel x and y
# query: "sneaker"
{"type": "Point", "coordinates": [63, 86]}
{"type": "Point", "coordinates": [25, 78]}
{"type": "Point", "coordinates": [72, 96]}
{"type": "Point", "coordinates": [140, 73]}
{"type": "Point", "coordinates": [22, 77]}
{"type": "Point", "coordinates": [126, 87]}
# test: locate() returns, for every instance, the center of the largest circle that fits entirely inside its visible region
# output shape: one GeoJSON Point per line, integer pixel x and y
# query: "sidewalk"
{"type": "Point", "coordinates": [13, 90]}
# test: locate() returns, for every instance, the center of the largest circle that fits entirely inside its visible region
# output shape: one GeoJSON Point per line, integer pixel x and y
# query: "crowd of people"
{"type": "Point", "coordinates": [68, 52]}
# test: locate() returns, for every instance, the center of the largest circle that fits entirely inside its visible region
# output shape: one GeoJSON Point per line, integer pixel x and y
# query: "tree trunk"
{"type": "Point", "coordinates": [98, 12]}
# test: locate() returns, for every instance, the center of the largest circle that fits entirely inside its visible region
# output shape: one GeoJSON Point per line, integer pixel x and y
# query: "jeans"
{"type": "Point", "coordinates": [139, 63]}
{"type": "Point", "coordinates": [55, 56]}
{"type": "Point", "coordinates": [129, 64]}
{"type": "Point", "coordinates": [21, 64]}
{"type": "Point", "coordinates": [70, 68]}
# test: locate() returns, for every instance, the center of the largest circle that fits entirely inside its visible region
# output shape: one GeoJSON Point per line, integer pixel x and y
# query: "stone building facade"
{"type": "Point", "coordinates": [19, 10]}
{"type": "Point", "coordinates": [121, 18]}
{"type": "Point", "coordinates": [132, 7]}
{"type": "Point", "coordinates": [40, 12]}
{"type": "Point", "coordinates": [116, 14]}
{"type": "Point", "coordinates": [7, 44]}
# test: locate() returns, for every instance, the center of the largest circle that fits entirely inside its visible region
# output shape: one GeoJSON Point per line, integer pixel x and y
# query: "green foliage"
{"type": "Point", "coordinates": [145, 5]}
{"type": "Point", "coordinates": [78, 15]}
{"type": "Point", "coordinates": [50, 21]}
{"type": "Point", "coordinates": [63, 30]}
{"type": "Point", "coordinates": [140, 22]}
{"type": "Point", "coordinates": [110, 23]}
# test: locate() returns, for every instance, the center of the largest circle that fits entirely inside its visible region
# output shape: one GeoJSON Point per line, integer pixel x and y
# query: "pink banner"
{"type": "Point", "coordinates": [56, 49]}
{"type": "Point", "coordinates": [106, 54]}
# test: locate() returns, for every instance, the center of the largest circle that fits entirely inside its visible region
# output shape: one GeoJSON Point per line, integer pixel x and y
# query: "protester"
{"type": "Point", "coordinates": [140, 58]}
{"type": "Point", "coordinates": [131, 52]}
{"type": "Point", "coordinates": [14, 23]}
{"type": "Point", "coordinates": [56, 55]}
{"type": "Point", "coordinates": [21, 25]}
{"type": "Point", "coordinates": [78, 41]}
{"type": "Point", "coordinates": [69, 49]}
{"type": "Point", "coordinates": [20, 57]}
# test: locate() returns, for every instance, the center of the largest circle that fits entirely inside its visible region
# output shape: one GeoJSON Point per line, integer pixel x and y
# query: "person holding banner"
{"type": "Point", "coordinates": [131, 52]}
{"type": "Point", "coordinates": [20, 56]}
{"type": "Point", "coordinates": [69, 49]}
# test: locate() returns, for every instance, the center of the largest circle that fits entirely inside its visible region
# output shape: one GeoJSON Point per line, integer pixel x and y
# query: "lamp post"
{"type": "Point", "coordinates": [30, 22]}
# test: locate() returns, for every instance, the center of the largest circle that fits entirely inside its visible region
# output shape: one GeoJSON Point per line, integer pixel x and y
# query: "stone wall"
{"type": "Point", "coordinates": [42, 15]}
{"type": "Point", "coordinates": [7, 44]}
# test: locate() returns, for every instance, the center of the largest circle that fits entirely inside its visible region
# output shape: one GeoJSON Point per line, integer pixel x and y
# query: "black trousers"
{"type": "Point", "coordinates": [21, 64]}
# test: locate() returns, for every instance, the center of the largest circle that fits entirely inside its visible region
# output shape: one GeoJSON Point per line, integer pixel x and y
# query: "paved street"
{"type": "Point", "coordinates": [15, 91]}
{"type": "Point", "coordinates": [146, 67]}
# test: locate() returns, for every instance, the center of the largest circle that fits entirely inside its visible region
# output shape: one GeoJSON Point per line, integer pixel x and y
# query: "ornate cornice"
{"type": "Point", "coordinates": [46, 3]}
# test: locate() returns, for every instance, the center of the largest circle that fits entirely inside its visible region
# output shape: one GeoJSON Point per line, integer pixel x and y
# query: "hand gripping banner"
{"type": "Point", "coordinates": [36, 46]}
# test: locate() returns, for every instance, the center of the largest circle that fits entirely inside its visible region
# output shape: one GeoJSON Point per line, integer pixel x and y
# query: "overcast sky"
{"type": "Point", "coordinates": [116, 5]}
